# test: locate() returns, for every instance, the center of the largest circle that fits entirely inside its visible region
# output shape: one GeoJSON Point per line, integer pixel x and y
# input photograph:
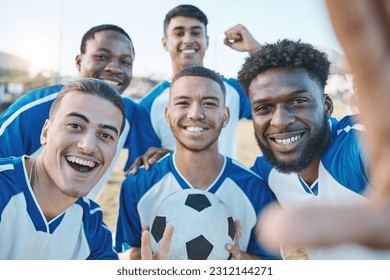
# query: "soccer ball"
{"type": "Point", "coordinates": [202, 226]}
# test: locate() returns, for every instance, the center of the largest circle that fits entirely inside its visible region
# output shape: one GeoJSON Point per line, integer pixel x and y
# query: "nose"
{"type": "Point", "coordinates": [187, 38]}
{"type": "Point", "coordinates": [88, 143]}
{"type": "Point", "coordinates": [195, 112]}
{"type": "Point", "coordinates": [114, 66]}
{"type": "Point", "coordinates": [282, 117]}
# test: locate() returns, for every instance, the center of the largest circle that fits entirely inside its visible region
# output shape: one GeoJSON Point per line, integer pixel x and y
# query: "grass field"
{"type": "Point", "coordinates": [247, 152]}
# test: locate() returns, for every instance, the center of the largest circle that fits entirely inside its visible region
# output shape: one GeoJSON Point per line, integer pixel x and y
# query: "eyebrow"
{"type": "Point", "coordinates": [109, 51]}
{"type": "Point", "coordinates": [188, 97]}
{"type": "Point", "coordinates": [84, 118]}
{"type": "Point", "coordinates": [263, 100]}
{"type": "Point", "coordinates": [192, 27]}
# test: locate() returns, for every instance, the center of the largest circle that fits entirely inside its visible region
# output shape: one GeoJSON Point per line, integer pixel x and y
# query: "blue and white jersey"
{"type": "Point", "coordinates": [236, 99]}
{"type": "Point", "coordinates": [240, 189]}
{"type": "Point", "coordinates": [22, 122]}
{"type": "Point", "coordinates": [342, 180]}
{"type": "Point", "coordinates": [77, 233]}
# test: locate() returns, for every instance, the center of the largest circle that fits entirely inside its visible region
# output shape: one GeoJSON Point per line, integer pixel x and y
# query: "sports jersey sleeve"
{"type": "Point", "coordinates": [22, 122]}
{"type": "Point", "coordinates": [100, 237]}
{"type": "Point", "coordinates": [141, 135]}
{"type": "Point", "coordinates": [245, 105]}
{"type": "Point", "coordinates": [346, 157]}
{"type": "Point", "coordinates": [128, 228]}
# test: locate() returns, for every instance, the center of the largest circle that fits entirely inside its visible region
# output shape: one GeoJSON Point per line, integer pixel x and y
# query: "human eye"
{"type": "Point", "coordinates": [127, 63]}
{"type": "Point", "coordinates": [106, 136]}
{"type": "Point", "coordinates": [299, 101]}
{"type": "Point", "coordinates": [196, 33]}
{"type": "Point", "coordinates": [74, 126]}
{"type": "Point", "coordinates": [210, 104]}
{"type": "Point", "coordinates": [262, 108]}
{"type": "Point", "coordinates": [179, 33]}
{"type": "Point", "coordinates": [182, 103]}
{"type": "Point", "coordinates": [100, 56]}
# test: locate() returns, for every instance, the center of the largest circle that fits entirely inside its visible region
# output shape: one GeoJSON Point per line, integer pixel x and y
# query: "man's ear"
{"type": "Point", "coordinates": [164, 42]}
{"type": "Point", "coordinates": [207, 42]}
{"type": "Point", "coordinates": [328, 106]}
{"type": "Point", "coordinates": [44, 132]}
{"type": "Point", "coordinates": [226, 116]}
{"type": "Point", "coordinates": [78, 59]}
{"type": "Point", "coordinates": [167, 116]}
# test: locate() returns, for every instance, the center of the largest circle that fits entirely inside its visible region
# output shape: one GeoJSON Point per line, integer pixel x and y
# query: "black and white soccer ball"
{"type": "Point", "coordinates": [202, 226]}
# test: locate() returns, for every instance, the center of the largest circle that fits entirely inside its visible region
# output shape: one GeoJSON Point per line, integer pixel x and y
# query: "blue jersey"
{"type": "Point", "coordinates": [342, 180]}
{"type": "Point", "coordinates": [237, 101]}
{"type": "Point", "coordinates": [240, 189]}
{"type": "Point", "coordinates": [77, 233]}
{"type": "Point", "coordinates": [22, 122]}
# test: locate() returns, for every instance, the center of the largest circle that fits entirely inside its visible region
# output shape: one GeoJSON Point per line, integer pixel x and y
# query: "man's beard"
{"type": "Point", "coordinates": [313, 148]}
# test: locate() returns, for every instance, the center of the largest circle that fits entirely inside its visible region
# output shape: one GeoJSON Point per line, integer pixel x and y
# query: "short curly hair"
{"type": "Point", "coordinates": [285, 54]}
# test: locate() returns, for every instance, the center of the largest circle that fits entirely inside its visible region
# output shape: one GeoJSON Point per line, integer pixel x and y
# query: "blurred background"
{"type": "Point", "coordinates": [40, 39]}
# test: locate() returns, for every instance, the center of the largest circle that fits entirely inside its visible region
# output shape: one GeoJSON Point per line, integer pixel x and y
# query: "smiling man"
{"type": "Point", "coordinates": [186, 40]}
{"type": "Point", "coordinates": [106, 53]}
{"type": "Point", "coordinates": [43, 208]}
{"type": "Point", "coordinates": [309, 157]}
{"type": "Point", "coordinates": [196, 114]}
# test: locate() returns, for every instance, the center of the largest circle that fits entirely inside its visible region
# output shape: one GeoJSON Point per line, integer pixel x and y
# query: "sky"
{"type": "Point", "coordinates": [48, 32]}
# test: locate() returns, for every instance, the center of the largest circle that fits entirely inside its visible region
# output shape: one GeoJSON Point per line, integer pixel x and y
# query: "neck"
{"type": "Point", "coordinates": [200, 169]}
{"type": "Point", "coordinates": [49, 197]}
{"type": "Point", "coordinates": [310, 174]}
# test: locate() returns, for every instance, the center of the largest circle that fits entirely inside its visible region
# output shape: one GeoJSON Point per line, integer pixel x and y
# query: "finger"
{"type": "Point", "coordinates": [146, 248]}
{"type": "Point", "coordinates": [309, 226]}
{"type": "Point", "coordinates": [145, 160]}
{"type": "Point", "coordinates": [165, 243]}
{"type": "Point", "coordinates": [235, 252]}
{"type": "Point", "coordinates": [159, 154]}
{"type": "Point", "coordinates": [237, 229]}
{"type": "Point", "coordinates": [134, 167]}
{"type": "Point", "coordinates": [361, 25]}
{"type": "Point", "coordinates": [227, 42]}
{"type": "Point", "coordinates": [363, 29]}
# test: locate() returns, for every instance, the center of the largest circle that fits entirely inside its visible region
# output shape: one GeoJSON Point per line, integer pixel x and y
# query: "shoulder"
{"type": "Point", "coordinates": [261, 167]}
{"type": "Point", "coordinates": [243, 175]}
{"type": "Point", "coordinates": [148, 99]}
{"type": "Point", "coordinates": [347, 124]}
{"type": "Point", "coordinates": [11, 179]}
{"type": "Point", "coordinates": [253, 185]}
{"type": "Point", "coordinates": [145, 179]}
{"type": "Point", "coordinates": [231, 82]}
{"type": "Point", "coordinates": [40, 95]}
{"type": "Point", "coordinates": [37, 98]}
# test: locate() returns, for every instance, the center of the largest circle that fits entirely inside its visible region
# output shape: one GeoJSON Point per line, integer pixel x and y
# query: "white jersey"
{"type": "Point", "coordinates": [25, 234]}
{"type": "Point", "coordinates": [240, 189]}
{"type": "Point", "coordinates": [342, 180]}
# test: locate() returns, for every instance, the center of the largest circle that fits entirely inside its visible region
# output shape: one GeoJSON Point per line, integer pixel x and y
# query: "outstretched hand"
{"type": "Point", "coordinates": [363, 29]}
{"type": "Point", "coordinates": [240, 39]}
{"type": "Point", "coordinates": [151, 156]}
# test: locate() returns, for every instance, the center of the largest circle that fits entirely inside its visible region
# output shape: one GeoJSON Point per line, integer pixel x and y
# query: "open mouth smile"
{"type": "Point", "coordinates": [81, 165]}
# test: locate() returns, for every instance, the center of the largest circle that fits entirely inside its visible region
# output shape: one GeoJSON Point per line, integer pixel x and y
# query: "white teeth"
{"type": "Point", "coordinates": [288, 140]}
{"type": "Point", "coordinates": [188, 51]}
{"type": "Point", "coordinates": [81, 161]}
{"type": "Point", "coordinates": [111, 83]}
{"type": "Point", "coordinates": [194, 129]}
